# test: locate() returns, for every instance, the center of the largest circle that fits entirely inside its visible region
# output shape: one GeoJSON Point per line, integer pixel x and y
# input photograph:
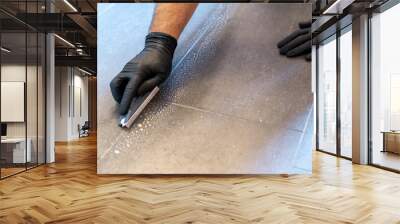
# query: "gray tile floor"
{"type": "Point", "coordinates": [232, 104]}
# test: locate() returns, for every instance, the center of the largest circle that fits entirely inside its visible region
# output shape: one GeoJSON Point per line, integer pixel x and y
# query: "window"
{"type": "Point", "coordinates": [333, 137]}
{"type": "Point", "coordinates": [346, 92]}
{"type": "Point", "coordinates": [385, 89]}
{"type": "Point", "coordinates": [327, 96]}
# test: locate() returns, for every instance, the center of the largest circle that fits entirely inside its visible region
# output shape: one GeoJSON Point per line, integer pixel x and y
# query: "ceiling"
{"type": "Point", "coordinates": [74, 22]}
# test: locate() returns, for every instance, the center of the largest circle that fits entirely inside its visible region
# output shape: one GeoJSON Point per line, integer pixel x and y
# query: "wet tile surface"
{"type": "Point", "coordinates": [172, 138]}
{"type": "Point", "coordinates": [232, 103]}
{"type": "Point", "coordinates": [235, 68]}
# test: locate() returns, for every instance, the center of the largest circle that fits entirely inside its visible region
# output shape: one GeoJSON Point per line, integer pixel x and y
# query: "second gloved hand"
{"type": "Point", "coordinates": [297, 43]}
{"type": "Point", "coordinates": [145, 71]}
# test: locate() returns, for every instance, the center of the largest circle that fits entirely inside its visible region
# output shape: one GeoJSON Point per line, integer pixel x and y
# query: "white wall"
{"type": "Point", "coordinates": [15, 72]}
{"type": "Point", "coordinates": [80, 102]}
{"type": "Point", "coordinates": [33, 127]}
{"type": "Point", "coordinates": [70, 83]}
{"type": "Point", "coordinates": [62, 81]}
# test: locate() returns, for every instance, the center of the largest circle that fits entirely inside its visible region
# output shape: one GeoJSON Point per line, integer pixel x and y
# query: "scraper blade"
{"type": "Point", "coordinates": [137, 106]}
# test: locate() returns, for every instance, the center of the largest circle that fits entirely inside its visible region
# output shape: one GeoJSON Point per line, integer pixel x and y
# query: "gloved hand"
{"type": "Point", "coordinates": [145, 71]}
{"type": "Point", "coordinates": [297, 43]}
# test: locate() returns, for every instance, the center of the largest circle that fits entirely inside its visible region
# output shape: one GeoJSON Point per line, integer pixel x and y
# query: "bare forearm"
{"type": "Point", "coordinates": [171, 18]}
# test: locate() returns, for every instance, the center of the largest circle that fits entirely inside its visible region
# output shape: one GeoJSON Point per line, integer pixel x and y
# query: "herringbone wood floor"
{"type": "Point", "coordinates": [69, 191]}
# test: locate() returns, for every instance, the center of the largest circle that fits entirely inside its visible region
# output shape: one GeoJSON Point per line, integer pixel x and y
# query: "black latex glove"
{"type": "Point", "coordinates": [297, 43]}
{"type": "Point", "coordinates": [145, 71]}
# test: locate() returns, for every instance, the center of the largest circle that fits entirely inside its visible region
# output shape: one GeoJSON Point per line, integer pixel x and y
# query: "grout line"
{"type": "Point", "coordinates": [230, 115]}
{"type": "Point", "coordinates": [107, 151]}
{"type": "Point", "coordinates": [214, 112]}
{"type": "Point", "coordinates": [190, 49]}
{"type": "Point", "coordinates": [193, 108]}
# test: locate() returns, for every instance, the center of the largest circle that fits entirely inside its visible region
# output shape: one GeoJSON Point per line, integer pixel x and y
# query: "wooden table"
{"type": "Point", "coordinates": [391, 141]}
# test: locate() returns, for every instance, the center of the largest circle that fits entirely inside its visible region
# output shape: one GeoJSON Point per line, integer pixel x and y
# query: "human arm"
{"type": "Point", "coordinates": [153, 64]}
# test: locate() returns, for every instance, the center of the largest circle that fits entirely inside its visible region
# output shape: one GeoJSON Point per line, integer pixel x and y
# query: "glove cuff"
{"type": "Point", "coordinates": [162, 41]}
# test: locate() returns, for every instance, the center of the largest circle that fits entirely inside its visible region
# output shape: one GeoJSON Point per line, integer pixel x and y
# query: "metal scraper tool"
{"type": "Point", "coordinates": [137, 106]}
